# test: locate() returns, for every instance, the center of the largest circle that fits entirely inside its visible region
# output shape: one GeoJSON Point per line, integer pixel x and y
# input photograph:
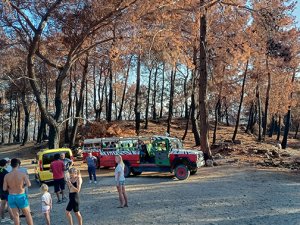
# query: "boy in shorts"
{"type": "Point", "coordinates": [57, 167]}
{"type": "Point", "coordinates": [17, 199]}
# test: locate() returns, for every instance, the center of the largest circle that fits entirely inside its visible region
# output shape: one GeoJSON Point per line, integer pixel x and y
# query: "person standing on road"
{"type": "Point", "coordinates": [120, 181]}
{"type": "Point", "coordinates": [46, 203]}
{"type": "Point", "coordinates": [57, 167]}
{"type": "Point", "coordinates": [17, 199]}
{"type": "Point", "coordinates": [67, 163]}
{"type": "Point", "coordinates": [4, 194]}
{"type": "Point", "coordinates": [92, 163]}
{"type": "Point", "coordinates": [74, 184]}
{"type": "Point", "coordinates": [8, 166]}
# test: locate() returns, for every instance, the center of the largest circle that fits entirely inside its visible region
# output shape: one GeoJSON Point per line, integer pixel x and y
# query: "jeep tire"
{"type": "Point", "coordinates": [136, 173]}
{"type": "Point", "coordinates": [182, 172]}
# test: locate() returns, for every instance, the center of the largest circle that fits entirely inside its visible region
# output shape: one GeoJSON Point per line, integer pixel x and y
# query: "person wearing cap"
{"type": "Point", "coordinates": [4, 194]}
{"type": "Point", "coordinates": [8, 166]}
{"type": "Point", "coordinates": [17, 199]}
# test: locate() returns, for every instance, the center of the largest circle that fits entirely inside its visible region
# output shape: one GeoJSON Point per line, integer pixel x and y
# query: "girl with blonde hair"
{"type": "Point", "coordinates": [120, 181]}
{"type": "Point", "coordinates": [74, 183]}
{"type": "Point", "coordinates": [46, 202]}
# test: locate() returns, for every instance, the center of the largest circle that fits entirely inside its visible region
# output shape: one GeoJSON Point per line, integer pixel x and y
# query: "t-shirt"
{"type": "Point", "coordinates": [119, 169]}
{"type": "Point", "coordinates": [91, 161]}
{"type": "Point", "coordinates": [67, 163]}
{"type": "Point", "coordinates": [58, 168]}
{"type": "Point", "coordinates": [3, 172]}
{"type": "Point", "coordinates": [46, 197]}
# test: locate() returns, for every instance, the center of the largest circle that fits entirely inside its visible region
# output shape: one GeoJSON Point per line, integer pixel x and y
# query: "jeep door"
{"type": "Point", "coordinates": [161, 150]}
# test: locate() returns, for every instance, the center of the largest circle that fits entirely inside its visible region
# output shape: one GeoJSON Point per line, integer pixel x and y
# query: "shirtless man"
{"type": "Point", "coordinates": [17, 199]}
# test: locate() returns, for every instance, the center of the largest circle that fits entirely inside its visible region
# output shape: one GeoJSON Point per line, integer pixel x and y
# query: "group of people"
{"type": "Point", "coordinates": [14, 182]}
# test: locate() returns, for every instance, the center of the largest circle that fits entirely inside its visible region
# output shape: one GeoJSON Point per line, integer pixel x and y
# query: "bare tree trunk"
{"type": "Point", "coordinates": [250, 118]}
{"type": "Point", "coordinates": [18, 116]}
{"type": "Point", "coordinates": [110, 100]}
{"type": "Point", "coordinates": [267, 100]}
{"type": "Point", "coordinates": [80, 102]}
{"type": "Point", "coordinates": [35, 122]}
{"type": "Point", "coordinates": [10, 119]}
{"type": "Point", "coordinates": [124, 90]}
{"type": "Point", "coordinates": [241, 103]}
{"type": "Point", "coordinates": [154, 114]}
{"type": "Point", "coordinates": [186, 109]}
{"type": "Point", "coordinates": [162, 92]}
{"type": "Point", "coordinates": [26, 120]}
{"type": "Point", "coordinates": [259, 113]}
{"type": "Point", "coordinates": [226, 114]}
{"type": "Point", "coordinates": [67, 135]}
{"type": "Point", "coordinates": [148, 99]}
{"type": "Point", "coordinates": [272, 127]}
{"type": "Point", "coordinates": [297, 129]}
{"type": "Point", "coordinates": [170, 114]}
{"type": "Point", "coordinates": [288, 119]}
{"type": "Point", "coordinates": [86, 100]}
{"type": "Point", "coordinates": [278, 129]}
{"type": "Point", "coordinates": [137, 108]}
{"type": "Point", "coordinates": [218, 105]}
{"type": "Point", "coordinates": [203, 83]}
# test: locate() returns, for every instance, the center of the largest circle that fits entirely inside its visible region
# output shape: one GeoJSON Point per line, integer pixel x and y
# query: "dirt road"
{"type": "Point", "coordinates": [224, 195]}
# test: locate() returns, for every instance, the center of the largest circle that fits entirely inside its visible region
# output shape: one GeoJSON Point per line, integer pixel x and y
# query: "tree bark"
{"type": "Point", "coordinates": [124, 90]}
{"type": "Point", "coordinates": [250, 118]}
{"type": "Point", "coordinates": [203, 84]}
{"type": "Point", "coordinates": [79, 105]}
{"type": "Point", "coordinates": [278, 129]}
{"type": "Point", "coordinates": [267, 101]}
{"type": "Point", "coordinates": [26, 119]}
{"type": "Point", "coordinates": [154, 114]}
{"type": "Point", "coordinates": [170, 113]}
{"type": "Point", "coordinates": [272, 127]}
{"type": "Point", "coordinates": [10, 119]}
{"type": "Point", "coordinates": [241, 103]}
{"type": "Point", "coordinates": [162, 92]}
{"type": "Point", "coordinates": [288, 119]}
{"type": "Point", "coordinates": [259, 113]}
{"type": "Point", "coordinates": [137, 108]}
{"type": "Point", "coordinates": [218, 105]}
{"type": "Point", "coordinates": [67, 135]}
{"type": "Point", "coordinates": [148, 99]}
{"type": "Point", "coordinates": [110, 99]}
{"type": "Point", "coordinates": [297, 129]}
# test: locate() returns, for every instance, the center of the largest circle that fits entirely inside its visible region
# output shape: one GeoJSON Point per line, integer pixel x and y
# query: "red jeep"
{"type": "Point", "coordinates": [158, 154]}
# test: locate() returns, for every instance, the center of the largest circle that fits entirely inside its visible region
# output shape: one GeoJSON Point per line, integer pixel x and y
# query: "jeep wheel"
{"type": "Point", "coordinates": [127, 171]}
{"type": "Point", "coordinates": [37, 179]}
{"type": "Point", "coordinates": [193, 172]}
{"type": "Point", "coordinates": [182, 172]}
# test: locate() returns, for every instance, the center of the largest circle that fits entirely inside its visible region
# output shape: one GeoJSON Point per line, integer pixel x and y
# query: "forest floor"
{"type": "Point", "coordinates": [254, 183]}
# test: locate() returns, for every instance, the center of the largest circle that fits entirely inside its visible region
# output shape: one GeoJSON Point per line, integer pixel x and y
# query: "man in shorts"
{"type": "Point", "coordinates": [67, 163]}
{"type": "Point", "coordinates": [57, 167]}
{"type": "Point", "coordinates": [4, 194]}
{"type": "Point", "coordinates": [17, 199]}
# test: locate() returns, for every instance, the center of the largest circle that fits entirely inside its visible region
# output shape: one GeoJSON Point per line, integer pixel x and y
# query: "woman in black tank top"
{"type": "Point", "coordinates": [74, 184]}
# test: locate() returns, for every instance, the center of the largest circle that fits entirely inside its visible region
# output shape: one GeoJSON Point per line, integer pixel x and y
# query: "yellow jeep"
{"type": "Point", "coordinates": [43, 161]}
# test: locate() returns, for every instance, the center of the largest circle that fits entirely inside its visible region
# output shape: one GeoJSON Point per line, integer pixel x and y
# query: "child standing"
{"type": "Point", "coordinates": [120, 181]}
{"type": "Point", "coordinates": [46, 203]}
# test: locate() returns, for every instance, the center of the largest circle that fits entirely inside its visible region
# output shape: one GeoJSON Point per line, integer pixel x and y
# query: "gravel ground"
{"type": "Point", "coordinates": [224, 195]}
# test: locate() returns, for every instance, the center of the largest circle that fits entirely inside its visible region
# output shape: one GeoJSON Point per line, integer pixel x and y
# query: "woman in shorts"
{"type": "Point", "coordinates": [120, 181]}
{"type": "Point", "coordinates": [74, 184]}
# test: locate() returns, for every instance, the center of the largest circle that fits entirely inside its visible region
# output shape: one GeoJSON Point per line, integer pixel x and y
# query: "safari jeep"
{"type": "Point", "coordinates": [156, 154]}
{"type": "Point", "coordinates": [165, 154]}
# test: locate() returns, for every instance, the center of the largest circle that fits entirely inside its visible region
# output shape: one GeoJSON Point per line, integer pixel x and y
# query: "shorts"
{"type": "Point", "coordinates": [120, 183]}
{"type": "Point", "coordinates": [73, 202]}
{"type": "Point", "coordinates": [59, 185]}
{"type": "Point", "coordinates": [45, 209]}
{"type": "Point", "coordinates": [4, 196]}
{"type": "Point", "coordinates": [18, 201]}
